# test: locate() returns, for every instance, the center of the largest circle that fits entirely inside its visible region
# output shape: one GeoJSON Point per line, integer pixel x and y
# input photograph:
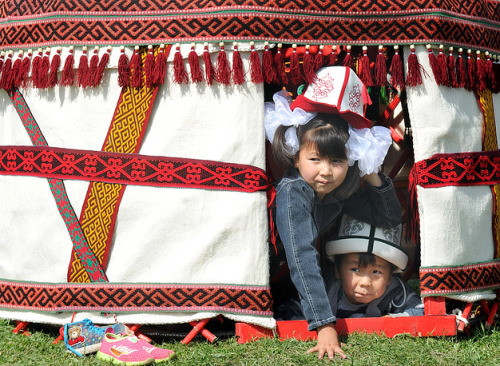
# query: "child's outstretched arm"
{"type": "Point", "coordinates": [328, 343]}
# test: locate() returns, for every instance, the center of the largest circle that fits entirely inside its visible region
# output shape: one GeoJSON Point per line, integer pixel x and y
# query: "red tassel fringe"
{"type": "Point", "coordinates": [452, 76]}
{"type": "Point", "coordinates": [35, 68]}
{"type": "Point", "coordinates": [332, 56]}
{"type": "Point", "coordinates": [7, 67]}
{"type": "Point", "coordinates": [481, 72]}
{"type": "Point", "coordinates": [308, 65]}
{"type": "Point", "coordinates": [443, 67]}
{"type": "Point", "coordinates": [489, 71]}
{"type": "Point", "coordinates": [16, 68]}
{"type": "Point", "coordinates": [180, 73]}
{"type": "Point", "coordinates": [149, 67]}
{"type": "Point", "coordinates": [365, 73]}
{"type": "Point", "coordinates": [2, 59]}
{"type": "Point", "coordinates": [68, 73]}
{"type": "Point", "coordinates": [319, 59]}
{"type": "Point", "coordinates": [238, 74]}
{"type": "Point", "coordinates": [123, 69]}
{"type": "Point", "coordinates": [495, 80]}
{"type": "Point", "coordinates": [295, 76]}
{"type": "Point", "coordinates": [348, 61]}
{"type": "Point", "coordinates": [462, 80]}
{"type": "Point", "coordinates": [43, 75]}
{"type": "Point", "coordinates": [222, 70]}
{"type": "Point", "coordinates": [83, 69]}
{"type": "Point", "coordinates": [396, 70]}
{"type": "Point", "coordinates": [22, 77]}
{"type": "Point", "coordinates": [194, 65]}
{"type": "Point", "coordinates": [161, 65]}
{"type": "Point", "coordinates": [279, 61]}
{"type": "Point", "coordinates": [135, 68]}
{"type": "Point", "coordinates": [102, 66]}
{"type": "Point", "coordinates": [471, 71]}
{"type": "Point", "coordinates": [434, 65]}
{"type": "Point", "coordinates": [414, 76]}
{"type": "Point", "coordinates": [268, 68]}
{"type": "Point", "coordinates": [94, 62]}
{"type": "Point", "coordinates": [380, 68]}
{"type": "Point", "coordinates": [54, 68]}
{"type": "Point", "coordinates": [209, 67]}
{"type": "Point", "coordinates": [255, 67]}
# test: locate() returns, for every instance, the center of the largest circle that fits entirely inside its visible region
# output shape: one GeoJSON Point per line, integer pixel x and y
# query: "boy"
{"type": "Point", "coordinates": [366, 284]}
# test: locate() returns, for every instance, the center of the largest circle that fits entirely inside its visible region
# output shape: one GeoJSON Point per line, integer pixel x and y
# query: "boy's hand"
{"type": "Point", "coordinates": [328, 342]}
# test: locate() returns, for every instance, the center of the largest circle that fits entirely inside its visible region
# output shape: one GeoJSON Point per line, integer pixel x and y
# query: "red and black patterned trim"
{"type": "Point", "coordinates": [461, 279]}
{"type": "Point", "coordinates": [30, 23]}
{"type": "Point", "coordinates": [132, 169]}
{"type": "Point", "coordinates": [133, 297]}
{"type": "Point", "coordinates": [461, 169]}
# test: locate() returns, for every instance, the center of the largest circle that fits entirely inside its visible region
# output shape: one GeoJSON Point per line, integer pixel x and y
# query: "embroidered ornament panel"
{"type": "Point", "coordinates": [133, 169]}
{"type": "Point", "coordinates": [29, 23]}
{"type": "Point", "coordinates": [436, 281]}
{"type": "Point", "coordinates": [127, 297]}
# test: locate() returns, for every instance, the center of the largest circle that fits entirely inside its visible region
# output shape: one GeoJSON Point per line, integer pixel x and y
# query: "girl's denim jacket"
{"type": "Point", "coordinates": [301, 218]}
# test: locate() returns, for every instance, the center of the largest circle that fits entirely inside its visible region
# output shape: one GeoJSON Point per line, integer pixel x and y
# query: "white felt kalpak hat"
{"type": "Point", "coordinates": [338, 90]}
{"type": "Point", "coordinates": [359, 237]}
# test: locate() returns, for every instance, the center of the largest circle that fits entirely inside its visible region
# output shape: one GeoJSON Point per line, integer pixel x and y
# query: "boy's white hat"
{"type": "Point", "coordinates": [359, 237]}
{"type": "Point", "coordinates": [338, 90]}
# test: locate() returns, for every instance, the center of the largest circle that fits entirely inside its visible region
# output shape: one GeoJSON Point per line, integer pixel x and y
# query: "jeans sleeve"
{"type": "Point", "coordinates": [298, 233]}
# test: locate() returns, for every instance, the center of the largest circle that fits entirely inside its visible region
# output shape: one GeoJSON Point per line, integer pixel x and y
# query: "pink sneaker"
{"type": "Point", "coordinates": [127, 349]}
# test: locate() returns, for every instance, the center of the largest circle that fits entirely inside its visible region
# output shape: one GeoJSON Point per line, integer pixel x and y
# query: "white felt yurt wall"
{"type": "Point", "coordinates": [188, 237]}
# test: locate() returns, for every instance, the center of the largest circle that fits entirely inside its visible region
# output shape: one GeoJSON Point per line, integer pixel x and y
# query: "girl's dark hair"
{"type": "Point", "coordinates": [328, 133]}
{"type": "Point", "coordinates": [365, 259]}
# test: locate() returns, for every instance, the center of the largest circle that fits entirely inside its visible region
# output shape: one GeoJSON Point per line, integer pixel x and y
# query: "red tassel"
{"type": "Point", "coordinates": [160, 66]}
{"type": "Point", "coordinates": [94, 62]}
{"type": "Point", "coordinates": [308, 66]}
{"type": "Point", "coordinates": [348, 58]}
{"type": "Point", "coordinates": [471, 71]}
{"type": "Point", "coordinates": [135, 68]}
{"type": "Point", "coordinates": [396, 70]}
{"type": "Point", "coordinates": [443, 67]}
{"type": "Point", "coordinates": [222, 71]}
{"type": "Point", "coordinates": [43, 75]}
{"type": "Point", "coordinates": [2, 59]}
{"type": "Point", "coordinates": [16, 69]}
{"type": "Point", "coordinates": [22, 77]}
{"type": "Point", "coordinates": [364, 70]}
{"type": "Point", "coordinates": [7, 67]}
{"type": "Point", "coordinates": [194, 65]}
{"type": "Point", "coordinates": [238, 77]}
{"type": "Point", "coordinates": [481, 71]}
{"type": "Point", "coordinates": [279, 61]}
{"type": "Point", "coordinates": [255, 67]}
{"type": "Point", "coordinates": [83, 69]}
{"type": "Point", "coordinates": [332, 56]}
{"type": "Point", "coordinates": [35, 68]}
{"type": "Point", "coordinates": [460, 68]}
{"type": "Point", "coordinates": [68, 73]}
{"type": "Point", "coordinates": [414, 76]}
{"type": "Point", "coordinates": [413, 222]}
{"type": "Point", "coordinates": [380, 68]}
{"type": "Point", "coordinates": [180, 73]}
{"type": "Point", "coordinates": [102, 67]}
{"type": "Point", "coordinates": [295, 76]}
{"type": "Point", "coordinates": [319, 59]}
{"type": "Point", "coordinates": [149, 67]}
{"type": "Point", "coordinates": [209, 68]}
{"type": "Point", "coordinates": [54, 68]}
{"type": "Point", "coordinates": [489, 71]}
{"type": "Point", "coordinates": [434, 65]}
{"type": "Point", "coordinates": [452, 77]}
{"type": "Point", "coordinates": [123, 69]}
{"type": "Point", "coordinates": [268, 68]}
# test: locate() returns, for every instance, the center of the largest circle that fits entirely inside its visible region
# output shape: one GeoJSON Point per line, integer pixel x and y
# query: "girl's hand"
{"type": "Point", "coordinates": [328, 342]}
{"type": "Point", "coordinates": [373, 179]}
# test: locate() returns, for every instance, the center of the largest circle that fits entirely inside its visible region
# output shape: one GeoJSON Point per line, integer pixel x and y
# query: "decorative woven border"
{"type": "Point", "coordinates": [133, 297]}
{"type": "Point", "coordinates": [461, 169]}
{"type": "Point", "coordinates": [456, 280]}
{"type": "Point", "coordinates": [30, 23]}
{"type": "Point", "coordinates": [130, 169]}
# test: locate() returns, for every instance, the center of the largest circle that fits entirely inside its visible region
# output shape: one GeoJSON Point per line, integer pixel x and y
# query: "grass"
{"type": "Point", "coordinates": [480, 347]}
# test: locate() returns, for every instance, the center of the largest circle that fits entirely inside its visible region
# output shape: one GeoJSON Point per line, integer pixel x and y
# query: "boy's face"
{"type": "Point", "coordinates": [362, 285]}
{"type": "Point", "coordinates": [322, 174]}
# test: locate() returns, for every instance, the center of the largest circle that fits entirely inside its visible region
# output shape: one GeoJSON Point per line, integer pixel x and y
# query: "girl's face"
{"type": "Point", "coordinates": [322, 174]}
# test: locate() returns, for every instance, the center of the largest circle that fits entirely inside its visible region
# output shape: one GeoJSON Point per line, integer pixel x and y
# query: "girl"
{"type": "Point", "coordinates": [325, 156]}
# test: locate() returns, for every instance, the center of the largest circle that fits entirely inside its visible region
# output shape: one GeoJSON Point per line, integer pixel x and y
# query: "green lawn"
{"type": "Point", "coordinates": [480, 347]}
